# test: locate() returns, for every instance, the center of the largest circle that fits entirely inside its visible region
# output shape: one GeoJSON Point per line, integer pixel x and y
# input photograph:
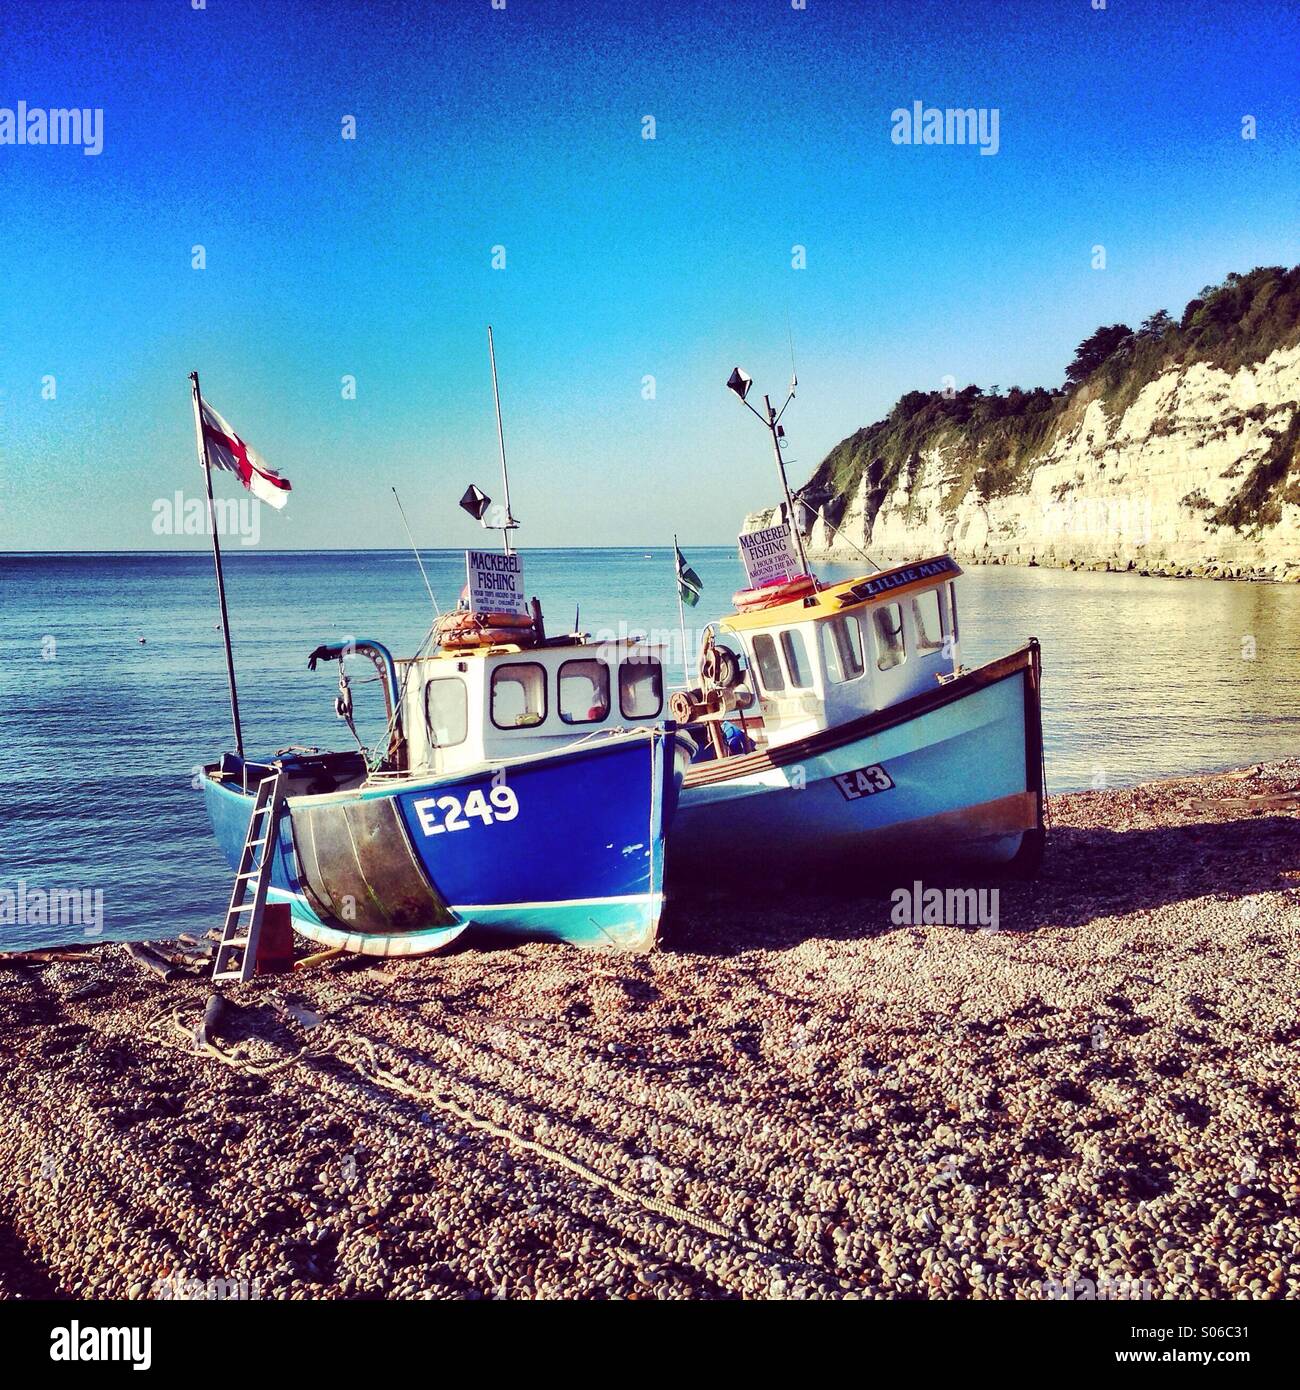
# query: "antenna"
{"type": "Point", "coordinates": [418, 561]}
{"type": "Point", "coordinates": [739, 383]}
{"type": "Point", "coordinates": [794, 375]}
{"type": "Point", "coordinates": [501, 440]}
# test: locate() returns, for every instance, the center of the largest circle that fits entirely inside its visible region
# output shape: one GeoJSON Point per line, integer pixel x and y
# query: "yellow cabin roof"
{"type": "Point", "coordinates": [848, 595]}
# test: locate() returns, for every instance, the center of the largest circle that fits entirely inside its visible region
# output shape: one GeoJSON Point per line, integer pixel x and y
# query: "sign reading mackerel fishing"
{"type": "Point", "coordinates": [769, 556]}
{"type": "Point", "coordinates": [495, 582]}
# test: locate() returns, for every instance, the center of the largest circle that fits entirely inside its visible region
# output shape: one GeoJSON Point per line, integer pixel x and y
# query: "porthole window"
{"type": "Point", "coordinates": [842, 649]}
{"type": "Point", "coordinates": [769, 664]}
{"type": "Point", "coordinates": [446, 711]}
{"type": "Point", "coordinates": [796, 659]}
{"type": "Point", "coordinates": [925, 615]}
{"type": "Point", "coordinates": [519, 695]}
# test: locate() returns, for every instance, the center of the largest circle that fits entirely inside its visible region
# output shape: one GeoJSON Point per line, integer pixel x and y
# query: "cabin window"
{"type": "Point", "coordinates": [584, 692]}
{"type": "Point", "coordinates": [769, 664]}
{"type": "Point", "coordinates": [641, 689]}
{"type": "Point", "coordinates": [952, 607]}
{"type": "Point", "coordinates": [925, 614]}
{"type": "Point", "coordinates": [796, 658]}
{"type": "Point", "coordinates": [889, 636]}
{"type": "Point", "coordinates": [518, 695]}
{"type": "Point", "coordinates": [842, 649]}
{"type": "Point", "coordinates": [446, 711]}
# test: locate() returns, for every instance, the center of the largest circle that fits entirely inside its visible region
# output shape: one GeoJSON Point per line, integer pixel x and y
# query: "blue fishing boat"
{"type": "Point", "coordinates": [855, 740]}
{"type": "Point", "coordinates": [838, 730]}
{"type": "Point", "coordinates": [524, 784]}
{"type": "Point", "coordinates": [563, 841]}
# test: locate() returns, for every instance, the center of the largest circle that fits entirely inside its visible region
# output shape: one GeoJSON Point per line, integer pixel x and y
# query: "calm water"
{"type": "Point", "coordinates": [101, 736]}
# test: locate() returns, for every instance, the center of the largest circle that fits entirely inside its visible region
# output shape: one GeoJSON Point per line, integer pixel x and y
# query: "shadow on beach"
{"type": "Point", "coordinates": [1087, 873]}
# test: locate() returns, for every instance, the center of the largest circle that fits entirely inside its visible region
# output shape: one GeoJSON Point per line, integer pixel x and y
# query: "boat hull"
{"type": "Point", "coordinates": [951, 777]}
{"type": "Point", "coordinates": [566, 845]}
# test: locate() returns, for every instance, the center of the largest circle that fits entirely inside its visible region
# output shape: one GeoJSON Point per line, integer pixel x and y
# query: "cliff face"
{"type": "Point", "coordinates": [1175, 450]}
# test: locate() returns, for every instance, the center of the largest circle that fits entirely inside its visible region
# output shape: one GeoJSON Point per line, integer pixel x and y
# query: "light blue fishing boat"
{"type": "Point", "coordinates": [854, 738]}
{"type": "Point", "coordinates": [838, 729]}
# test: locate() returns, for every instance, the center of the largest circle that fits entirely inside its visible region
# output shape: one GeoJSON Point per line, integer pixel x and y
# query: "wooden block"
{"type": "Point", "coordinates": [275, 945]}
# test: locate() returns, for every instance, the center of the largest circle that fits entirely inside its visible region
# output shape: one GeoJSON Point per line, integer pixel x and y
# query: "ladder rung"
{"type": "Point", "coordinates": [253, 869]}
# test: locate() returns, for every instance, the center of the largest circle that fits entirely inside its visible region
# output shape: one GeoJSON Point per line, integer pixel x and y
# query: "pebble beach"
{"type": "Point", "coordinates": [797, 1096]}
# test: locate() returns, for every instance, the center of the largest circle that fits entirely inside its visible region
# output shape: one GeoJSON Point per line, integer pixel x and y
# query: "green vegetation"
{"type": "Point", "coordinates": [992, 440]}
{"type": "Point", "coordinates": [1258, 502]}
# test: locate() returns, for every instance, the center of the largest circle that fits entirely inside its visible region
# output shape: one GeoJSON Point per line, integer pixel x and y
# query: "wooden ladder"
{"type": "Point", "coordinates": [243, 926]}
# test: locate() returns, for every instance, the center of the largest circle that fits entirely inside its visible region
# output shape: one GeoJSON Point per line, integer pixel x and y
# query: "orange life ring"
{"type": "Point", "coordinates": [463, 629]}
{"type": "Point", "coordinates": [489, 637]}
{"type": "Point", "coordinates": [770, 595]}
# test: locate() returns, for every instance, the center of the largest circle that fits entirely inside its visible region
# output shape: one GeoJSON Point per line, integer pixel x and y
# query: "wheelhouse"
{"type": "Point", "coordinates": [462, 708]}
{"type": "Point", "coordinates": [844, 650]}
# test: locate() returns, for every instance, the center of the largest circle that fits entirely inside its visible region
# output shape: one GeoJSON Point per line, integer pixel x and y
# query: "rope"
{"type": "Point", "coordinates": [845, 539]}
{"type": "Point", "coordinates": [382, 1076]}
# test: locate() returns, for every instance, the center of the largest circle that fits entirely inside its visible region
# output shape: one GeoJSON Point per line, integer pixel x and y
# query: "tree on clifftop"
{"type": "Point", "coordinates": [1157, 325]}
{"type": "Point", "coordinates": [1093, 351]}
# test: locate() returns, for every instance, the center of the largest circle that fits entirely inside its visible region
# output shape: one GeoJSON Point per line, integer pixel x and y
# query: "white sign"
{"type": "Point", "coordinates": [769, 556]}
{"type": "Point", "coordinates": [496, 582]}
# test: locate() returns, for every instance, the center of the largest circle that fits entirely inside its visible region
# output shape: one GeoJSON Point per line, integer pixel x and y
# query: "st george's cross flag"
{"type": "Point", "coordinates": [226, 450]}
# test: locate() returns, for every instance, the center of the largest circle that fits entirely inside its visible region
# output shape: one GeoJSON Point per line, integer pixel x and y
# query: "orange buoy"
{"type": "Point", "coordinates": [770, 595]}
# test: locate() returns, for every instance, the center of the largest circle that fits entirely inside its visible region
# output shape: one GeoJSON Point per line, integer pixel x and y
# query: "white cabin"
{"type": "Point", "coordinates": [809, 664]}
{"type": "Point", "coordinates": [847, 650]}
{"type": "Point", "coordinates": [462, 708]}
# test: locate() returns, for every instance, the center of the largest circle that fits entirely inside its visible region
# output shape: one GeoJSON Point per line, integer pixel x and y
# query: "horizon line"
{"type": "Point", "coordinates": [369, 550]}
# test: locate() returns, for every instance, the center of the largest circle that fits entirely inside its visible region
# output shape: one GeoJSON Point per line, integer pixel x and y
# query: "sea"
{"type": "Point", "coordinates": [113, 691]}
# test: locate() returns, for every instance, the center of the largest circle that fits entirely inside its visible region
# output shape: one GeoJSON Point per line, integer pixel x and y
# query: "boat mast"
{"type": "Point", "coordinates": [739, 385]}
{"type": "Point", "coordinates": [501, 441]}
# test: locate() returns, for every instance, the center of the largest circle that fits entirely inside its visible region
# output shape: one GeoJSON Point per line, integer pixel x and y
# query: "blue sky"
{"type": "Point", "coordinates": [625, 257]}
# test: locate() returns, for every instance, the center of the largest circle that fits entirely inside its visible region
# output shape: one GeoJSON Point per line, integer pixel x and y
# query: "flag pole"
{"type": "Point", "coordinates": [681, 611]}
{"type": "Point", "coordinates": [216, 559]}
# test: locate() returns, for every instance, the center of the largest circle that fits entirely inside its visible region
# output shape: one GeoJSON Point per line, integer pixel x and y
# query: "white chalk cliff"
{"type": "Point", "coordinates": [1197, 474]}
